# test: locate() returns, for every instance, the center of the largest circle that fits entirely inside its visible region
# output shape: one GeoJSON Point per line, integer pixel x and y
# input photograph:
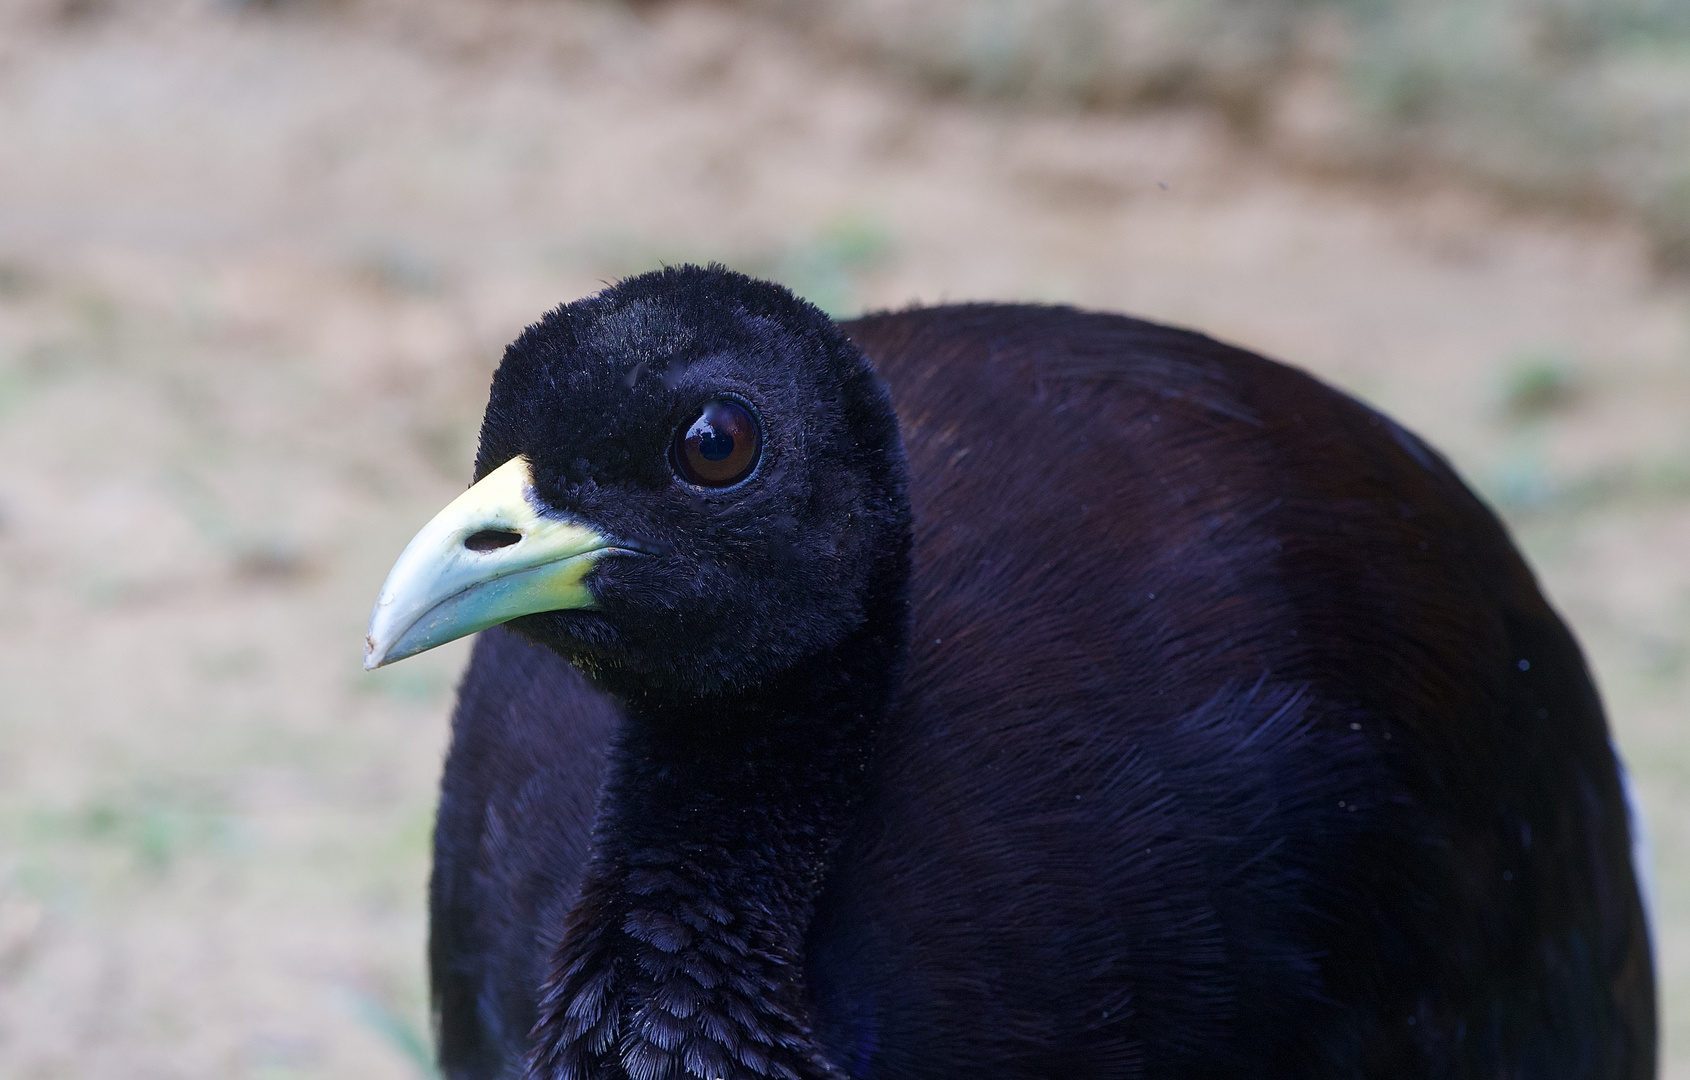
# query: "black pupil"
{"type": "Point", "coordinates": [715, 445]}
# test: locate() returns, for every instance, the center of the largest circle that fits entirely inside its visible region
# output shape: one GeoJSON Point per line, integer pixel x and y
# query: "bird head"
{"type": "Point", "coordinates": [688, 482]}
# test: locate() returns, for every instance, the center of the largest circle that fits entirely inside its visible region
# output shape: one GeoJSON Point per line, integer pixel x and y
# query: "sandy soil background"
{"type": "Point", "coordinates": [257, 262]}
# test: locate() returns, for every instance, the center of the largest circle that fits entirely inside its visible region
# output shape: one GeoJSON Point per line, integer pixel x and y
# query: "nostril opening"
{"type": "Point", "coordinates": [488, 539]}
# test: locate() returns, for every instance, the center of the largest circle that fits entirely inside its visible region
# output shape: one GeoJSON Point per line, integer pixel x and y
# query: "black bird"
{"type": "Point", "coordinates": [1089, 699]}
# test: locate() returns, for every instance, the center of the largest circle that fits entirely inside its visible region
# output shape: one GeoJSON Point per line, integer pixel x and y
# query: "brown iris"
{"type": "Point", "coordinates": [720, 447]}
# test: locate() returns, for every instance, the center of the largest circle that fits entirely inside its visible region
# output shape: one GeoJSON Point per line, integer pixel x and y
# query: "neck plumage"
{"type": "Point", "coordinates": [683, 956]}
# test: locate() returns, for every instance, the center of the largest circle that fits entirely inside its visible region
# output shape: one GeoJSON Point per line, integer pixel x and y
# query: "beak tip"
{"type": "Point", "coordinates": [373, 658]}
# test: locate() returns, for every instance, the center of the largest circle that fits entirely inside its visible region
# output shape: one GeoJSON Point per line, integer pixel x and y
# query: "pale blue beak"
{"type": "Point", "coordinates": [487, 558]}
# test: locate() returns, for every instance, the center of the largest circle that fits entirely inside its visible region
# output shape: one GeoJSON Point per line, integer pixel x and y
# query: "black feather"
{"type": "Point", "coordinates": [1147, 710]}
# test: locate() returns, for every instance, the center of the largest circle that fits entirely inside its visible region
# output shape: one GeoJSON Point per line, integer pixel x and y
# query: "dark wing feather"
{"type": "Point", "coordinates": [1136, 548]}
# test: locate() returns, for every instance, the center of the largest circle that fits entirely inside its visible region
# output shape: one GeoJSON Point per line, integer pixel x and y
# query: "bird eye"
{"type": "Point", "coordinates": [719, 448]}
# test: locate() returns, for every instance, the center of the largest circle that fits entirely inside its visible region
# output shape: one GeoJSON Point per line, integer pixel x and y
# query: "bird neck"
{"type": "Point", "coordinates": [715, 831]}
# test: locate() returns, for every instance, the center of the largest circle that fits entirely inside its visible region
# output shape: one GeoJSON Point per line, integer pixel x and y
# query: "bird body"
{"type": "Point", "coordinates": [1157, 712]}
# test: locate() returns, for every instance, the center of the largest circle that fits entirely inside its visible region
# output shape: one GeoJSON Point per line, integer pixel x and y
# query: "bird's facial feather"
{"type": "Point", "coordinates": [738, 582]}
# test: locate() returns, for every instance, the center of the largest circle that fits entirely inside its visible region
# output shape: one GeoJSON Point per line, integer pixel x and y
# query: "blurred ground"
{"type": "Point", "coordinates": [256, 263]}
